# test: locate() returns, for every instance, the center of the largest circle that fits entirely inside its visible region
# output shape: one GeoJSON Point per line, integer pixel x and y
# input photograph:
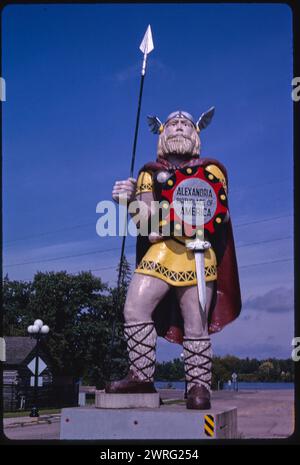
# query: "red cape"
{"type": "Point", "coordinates": [226, 304]}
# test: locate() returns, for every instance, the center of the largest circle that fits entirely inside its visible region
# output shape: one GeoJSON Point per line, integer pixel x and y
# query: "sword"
{"type": "Point", "coordinates": [198, 247]}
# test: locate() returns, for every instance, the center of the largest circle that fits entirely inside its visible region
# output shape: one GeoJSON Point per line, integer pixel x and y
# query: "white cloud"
{"type": "Point", "coordinates": [278, 300]}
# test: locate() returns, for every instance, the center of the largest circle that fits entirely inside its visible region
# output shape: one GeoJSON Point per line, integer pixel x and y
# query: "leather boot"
{"type": "Point", "coordinates": [197, 364]}
{"type": "Point", "coordinates": [141, 344]}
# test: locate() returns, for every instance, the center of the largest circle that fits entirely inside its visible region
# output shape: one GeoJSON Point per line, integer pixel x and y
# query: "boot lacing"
{"type": "Point", "coordinates": [197, 362]}
{"type": "Point", "coordinates": [141, 345]}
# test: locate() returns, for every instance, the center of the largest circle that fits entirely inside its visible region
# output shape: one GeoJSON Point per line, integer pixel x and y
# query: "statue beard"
{"type": "Point", "coordinates": [178, 145]}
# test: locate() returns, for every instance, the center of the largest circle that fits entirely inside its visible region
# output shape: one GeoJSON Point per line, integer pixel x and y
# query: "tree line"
{"type": "Point", "coordinates": [80, 310]}
{"type": "Point", "coordinates": [248, 370]}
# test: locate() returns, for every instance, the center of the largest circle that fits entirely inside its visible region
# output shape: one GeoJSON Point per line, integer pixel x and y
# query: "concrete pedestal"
{"type": "Point", "coordinates": [166, 422]}
{"type": "Point", "coordinates": [120, 401]}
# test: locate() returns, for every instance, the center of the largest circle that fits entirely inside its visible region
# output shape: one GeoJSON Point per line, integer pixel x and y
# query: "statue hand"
{"type": "Point", "coordinates": [125, 189]}
{"type": "Point", "coordinates": [155, 237]}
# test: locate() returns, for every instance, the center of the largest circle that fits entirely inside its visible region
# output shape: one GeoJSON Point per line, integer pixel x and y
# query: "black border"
{"type": "Point", "coordinates": [91, 449]}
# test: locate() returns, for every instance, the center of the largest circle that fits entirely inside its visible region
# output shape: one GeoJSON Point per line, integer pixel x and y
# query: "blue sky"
{"type": "Point", "coordinates": [72, 82]}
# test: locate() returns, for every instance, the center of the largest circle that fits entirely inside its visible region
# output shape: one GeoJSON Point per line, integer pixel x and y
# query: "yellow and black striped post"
{"type": "Point", "coordinates": [209, 425]}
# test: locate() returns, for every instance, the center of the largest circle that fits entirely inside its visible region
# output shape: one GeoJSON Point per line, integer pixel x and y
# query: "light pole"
{"type": "Point", "coordinates": [234, 377]}
{"type": "Point", "coordinates": [37, 331]}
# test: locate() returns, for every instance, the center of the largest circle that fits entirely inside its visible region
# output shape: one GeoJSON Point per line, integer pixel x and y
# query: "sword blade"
{"type": "Point", "coordinates": [201, 285]}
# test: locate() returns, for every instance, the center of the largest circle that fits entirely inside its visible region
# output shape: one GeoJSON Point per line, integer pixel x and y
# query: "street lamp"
{"type": "Point", "coordinates": [234, 377]}
{"type": "Point", "coordinates": [37, 331]}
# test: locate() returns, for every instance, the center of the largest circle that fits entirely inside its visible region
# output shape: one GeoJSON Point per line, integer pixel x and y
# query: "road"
{"type": "Point", "coordinates": [261, 414]}
{"type": "Point", "coordinates": [38, 432]}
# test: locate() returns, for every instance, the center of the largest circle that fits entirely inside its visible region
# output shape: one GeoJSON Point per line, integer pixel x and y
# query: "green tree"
{"type": "Point", "coordinates": [266, 370]}
{"type": "Point", "coordinates": [78, 309]}
{"type": "Point", "coordinates": [70, 304]}
{"type": "Point", "coordinates": [15, 305]}
{"type": "Point", "coordinates": [220, 373]}
{"type": "Point", "coordinates": [117, 358]}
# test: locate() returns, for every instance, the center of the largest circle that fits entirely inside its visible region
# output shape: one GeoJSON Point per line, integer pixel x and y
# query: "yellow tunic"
{"type": "Point", "coordinates": [169, 259]}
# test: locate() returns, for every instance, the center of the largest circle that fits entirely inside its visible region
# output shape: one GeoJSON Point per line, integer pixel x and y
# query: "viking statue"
{"type": "Point", "coordinates": [162, 298]}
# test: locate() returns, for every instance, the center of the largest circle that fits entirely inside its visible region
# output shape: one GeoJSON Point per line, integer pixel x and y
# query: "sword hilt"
{"type": "Point", "coordinates": [198, 245]}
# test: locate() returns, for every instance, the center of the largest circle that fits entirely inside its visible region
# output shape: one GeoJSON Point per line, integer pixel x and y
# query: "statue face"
{"type": "Point", "coordinates": [179, 125]}
{"type": "Point", "coordinates": [179, 137]}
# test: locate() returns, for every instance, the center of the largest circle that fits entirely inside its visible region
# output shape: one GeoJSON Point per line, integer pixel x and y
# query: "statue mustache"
{"type": "Point", "coordinates": [177, 136]}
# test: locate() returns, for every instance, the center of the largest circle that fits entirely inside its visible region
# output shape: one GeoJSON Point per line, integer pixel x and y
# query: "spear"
{"type": "Point", "coordinates": [146, 47]}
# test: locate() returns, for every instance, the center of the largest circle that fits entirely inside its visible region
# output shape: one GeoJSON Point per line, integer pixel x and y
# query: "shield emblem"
{"type": "Point", "coordinates": [193, 202]}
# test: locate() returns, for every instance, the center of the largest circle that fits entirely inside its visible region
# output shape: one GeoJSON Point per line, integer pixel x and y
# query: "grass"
{"type": "Point", "coordinates": [26, 413]}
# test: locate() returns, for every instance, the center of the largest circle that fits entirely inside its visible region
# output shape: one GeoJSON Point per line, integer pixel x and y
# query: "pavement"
{"type": "Point", "coordinates": [29, 421]}
{"type": "Point", "coordinates": [261, 414]}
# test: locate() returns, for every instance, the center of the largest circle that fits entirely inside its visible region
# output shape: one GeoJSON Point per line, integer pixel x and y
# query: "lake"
{"type": "Point", "coordinates": [241, 385]}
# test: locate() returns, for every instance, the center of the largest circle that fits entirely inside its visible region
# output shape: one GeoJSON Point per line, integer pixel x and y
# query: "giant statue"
{"type": "Point", "coordinates": [170, 295]}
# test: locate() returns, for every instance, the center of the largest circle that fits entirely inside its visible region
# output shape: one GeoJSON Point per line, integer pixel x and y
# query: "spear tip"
{"type": "Point", "coordinates": [147, 42]}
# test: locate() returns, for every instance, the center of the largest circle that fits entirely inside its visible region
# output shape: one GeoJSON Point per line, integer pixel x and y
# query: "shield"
{"type": "Point", "coordinates": [193, 202]}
